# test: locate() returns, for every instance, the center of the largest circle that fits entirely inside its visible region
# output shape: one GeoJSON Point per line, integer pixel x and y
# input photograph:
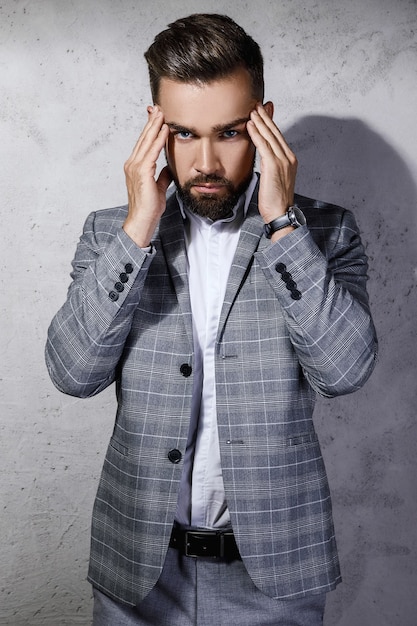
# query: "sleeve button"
{"type": "Point", "coordinates": [128, 268]}
{"type": "Point", "coordinates": [119, 287]}
{"type": "Point", "coordinates": [123, 277]}
{"type": "Point", "coordinates": [114, 296]}
{"type": "Point", "coordinates": [295, 294]}
{"type": "Point", "coordinates": [280, 267]}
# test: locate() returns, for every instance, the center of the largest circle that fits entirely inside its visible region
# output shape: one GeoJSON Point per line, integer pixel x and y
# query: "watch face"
{"type": "Point", "coordinates": [293, 217]}
{"type": "Point", "coordinates": [297, 216]}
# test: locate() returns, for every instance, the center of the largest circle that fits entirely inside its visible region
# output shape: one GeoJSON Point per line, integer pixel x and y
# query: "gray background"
{"type": "Point", "coordinates": [73, 98]}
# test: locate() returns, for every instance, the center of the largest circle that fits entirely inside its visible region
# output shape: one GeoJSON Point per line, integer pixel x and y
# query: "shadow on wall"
{"type": "Point", "coordinates": [369, 438]}
{"type": "Point", "coordinates": [345, 162]}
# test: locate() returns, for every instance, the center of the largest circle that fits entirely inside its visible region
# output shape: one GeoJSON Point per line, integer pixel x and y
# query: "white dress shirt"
{"type": "Point", "coordinates": [210, 250]}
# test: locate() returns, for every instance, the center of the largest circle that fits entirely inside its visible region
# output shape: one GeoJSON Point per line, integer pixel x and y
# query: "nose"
{"type": "Point", "coordinates": [206, 159]}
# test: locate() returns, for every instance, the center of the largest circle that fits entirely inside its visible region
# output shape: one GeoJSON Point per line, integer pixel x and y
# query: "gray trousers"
{"type": "Point", "coordinates": [207, 592]}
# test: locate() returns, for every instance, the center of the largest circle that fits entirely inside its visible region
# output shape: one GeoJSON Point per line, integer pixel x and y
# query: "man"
{"type": "Point", "coordinates": [219, 312]}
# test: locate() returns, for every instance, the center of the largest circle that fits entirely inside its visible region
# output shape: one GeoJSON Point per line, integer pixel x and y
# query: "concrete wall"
{"type": "Point", "coordinates": [73, 91]}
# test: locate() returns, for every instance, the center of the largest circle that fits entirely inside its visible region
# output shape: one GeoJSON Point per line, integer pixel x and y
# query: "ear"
{"type": "Point", "coordinates": [269, 108]}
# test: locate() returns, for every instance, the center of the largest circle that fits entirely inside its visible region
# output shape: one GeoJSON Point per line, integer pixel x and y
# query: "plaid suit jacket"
{"type": "Point", "coordinates": [295, 322]}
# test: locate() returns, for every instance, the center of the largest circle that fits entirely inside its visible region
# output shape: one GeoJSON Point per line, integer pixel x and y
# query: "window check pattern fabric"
{"type": "Point", "coordinates": [295, 322]}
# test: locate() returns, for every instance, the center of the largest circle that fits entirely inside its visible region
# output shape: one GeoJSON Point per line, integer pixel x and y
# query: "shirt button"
{"type": "Point", "coordinates": [186, 370]}
{"type": "Point", "coordinates": [174, 456]}
{"type": "Point", "coordinates": [114, 296]}
{"type": "Point", "coordinates": [128, 268]}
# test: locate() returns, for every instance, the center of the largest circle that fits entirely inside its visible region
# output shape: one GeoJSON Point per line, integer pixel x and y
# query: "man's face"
{"type": "Point", "coordinates": [209, 151]}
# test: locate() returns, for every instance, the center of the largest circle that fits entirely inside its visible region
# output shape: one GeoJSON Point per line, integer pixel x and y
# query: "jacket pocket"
{"type": "Point", "coordinates": [119, 447]}
{"type": "Point", "coordinates": [303, 439]}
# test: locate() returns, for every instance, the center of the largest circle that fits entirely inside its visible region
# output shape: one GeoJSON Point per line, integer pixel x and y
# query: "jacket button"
{"type": "Point", "coordinates": [174, 456]}
{"type": "Point", "coordinates": [128, 268]}
{"type": "Point", "coordinates": [295, 294]}
{"type": "Point", "coordinates": [114, 296]}
{"type": "Point", "coordinates": [119, 287]}
{"type": "Point", "coordinates": [123, 277]}
{"type": "Point", "coordinates": [186, 370]}
{"type": "Point", "coordinates": [280, 267]}
{"type": "Point", "coordinates": [291, 284]}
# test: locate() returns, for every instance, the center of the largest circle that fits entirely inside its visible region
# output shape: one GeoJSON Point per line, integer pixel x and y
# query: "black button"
{"type": "Point", "coordinates": [295, 294]}
{"type": "Point", "coordinates": [280, 267]}
{"type": "Point", "coordinates": [114, 296]}
{"type": "Point", "coordinates": [291, 284]}
{"type": "Point", "coordinates": [128, 268]}
{"type": "Point", "coordinates": [286, 276]}
{"type": "Point", "coordinates": [119, 287]}
{"type": "Point", "coordinates": [186, 370]}
{"type": "Point", "coordinates": [123, 277]}
{"type": "Point", "coordinates": [174, 456]}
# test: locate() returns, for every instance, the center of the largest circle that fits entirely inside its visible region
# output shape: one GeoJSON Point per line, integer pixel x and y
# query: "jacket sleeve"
{"type": "Point", "coordinates": [320, 281]}
{"type": "Point", "coordinates": [87, 335]}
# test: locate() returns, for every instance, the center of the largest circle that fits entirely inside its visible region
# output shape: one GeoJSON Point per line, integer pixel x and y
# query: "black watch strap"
{"type": "Point", "coordinates": [293, 217]}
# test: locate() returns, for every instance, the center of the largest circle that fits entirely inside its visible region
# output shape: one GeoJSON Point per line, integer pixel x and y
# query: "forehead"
{"type": "Point", "coordinates": [207, 105]}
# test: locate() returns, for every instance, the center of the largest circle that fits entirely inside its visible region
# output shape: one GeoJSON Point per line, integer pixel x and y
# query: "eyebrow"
{"type": "Point", "coordinates": [216, 129]}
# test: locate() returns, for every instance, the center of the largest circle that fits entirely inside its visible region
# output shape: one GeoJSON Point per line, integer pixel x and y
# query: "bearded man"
{"type": "Point", "coordinates": [219, 313]}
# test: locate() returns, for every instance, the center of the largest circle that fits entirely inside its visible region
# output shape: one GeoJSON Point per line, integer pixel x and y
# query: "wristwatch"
{"type": "Point", "coordinates": [293, 217]}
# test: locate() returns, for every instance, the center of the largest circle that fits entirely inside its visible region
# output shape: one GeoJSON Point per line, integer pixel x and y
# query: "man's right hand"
{"type": "Point", "coordinates": [145, 194]}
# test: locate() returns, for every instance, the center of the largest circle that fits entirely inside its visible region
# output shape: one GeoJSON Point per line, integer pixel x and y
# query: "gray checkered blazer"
{"type": "Point", "coordinates": [295, 322]}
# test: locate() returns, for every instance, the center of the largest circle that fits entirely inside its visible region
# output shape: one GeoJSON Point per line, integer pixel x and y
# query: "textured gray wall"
{"type": "Point", "coordinates": [73, 91]}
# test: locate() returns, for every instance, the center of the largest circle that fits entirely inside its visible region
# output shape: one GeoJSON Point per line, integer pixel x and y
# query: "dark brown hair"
{"type": "Point", "coordinates": [201, 48]}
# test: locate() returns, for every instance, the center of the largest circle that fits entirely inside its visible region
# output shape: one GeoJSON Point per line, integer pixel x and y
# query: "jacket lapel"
{"type": "Point", "coordinates": [249, 239]}
{"type": "Point", "coordinates": [171, 235]}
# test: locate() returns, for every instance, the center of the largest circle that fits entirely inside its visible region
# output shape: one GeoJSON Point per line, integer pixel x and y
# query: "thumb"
{"type": "Point", "coordinates": [165, 178]}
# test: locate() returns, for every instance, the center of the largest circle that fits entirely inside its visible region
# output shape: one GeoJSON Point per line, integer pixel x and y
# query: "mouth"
{"type": "Point", "coordinates": [209, 188]}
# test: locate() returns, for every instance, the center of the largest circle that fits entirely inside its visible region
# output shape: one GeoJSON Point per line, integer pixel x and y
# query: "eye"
{"type": "Point", "coordinates": [182, 134]}
{"type": "Point", "coordinates": [230, 134]}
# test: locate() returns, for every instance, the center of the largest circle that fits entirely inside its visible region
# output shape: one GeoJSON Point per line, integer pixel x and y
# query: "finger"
{"type": "Point", "coordinates": [147, 153]}
{"type": "Point", "coordinates": [271, 134]}
{"type": "Point", "coordinates": [276, 161]}
{"type": "Point", "coordinates": [149, 132]}
{"type": "Point", "coordinates": [270, 150]}
{"type": "Point", "coordinates": [144, 167]}
{"type": "Point", "coordinates": [268, 121]}
{"type": "Point", "coordinates": [263, 142]}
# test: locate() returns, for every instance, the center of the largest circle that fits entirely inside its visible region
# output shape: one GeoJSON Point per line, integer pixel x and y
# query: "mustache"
{"type": "Point", "coordinates": [204, 179]}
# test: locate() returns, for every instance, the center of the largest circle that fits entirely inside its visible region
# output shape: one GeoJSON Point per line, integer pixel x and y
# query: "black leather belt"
{"type": "Point", "coordinates": [205, 543]}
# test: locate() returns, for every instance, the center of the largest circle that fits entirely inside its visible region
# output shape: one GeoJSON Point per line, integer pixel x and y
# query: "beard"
{"type": "Point", "coordinates": [210, 205]}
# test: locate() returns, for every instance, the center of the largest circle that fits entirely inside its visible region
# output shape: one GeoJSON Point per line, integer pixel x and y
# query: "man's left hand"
{"type": "Point", "coordinates": [278, 164]}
